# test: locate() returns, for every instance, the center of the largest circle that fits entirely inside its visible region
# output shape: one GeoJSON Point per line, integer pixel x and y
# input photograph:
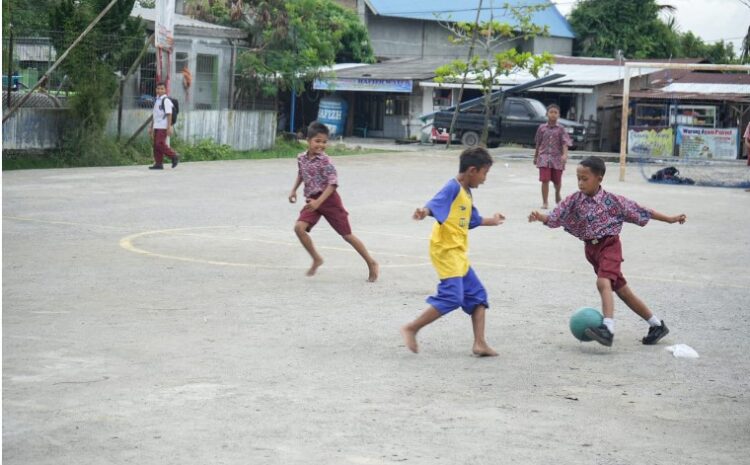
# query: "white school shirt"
{"type": "Point", "coordinates": [160, 117]}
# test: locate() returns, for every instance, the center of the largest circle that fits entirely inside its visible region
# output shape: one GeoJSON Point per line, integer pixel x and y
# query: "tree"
{"type": "Point", "coordinates": [487, 66]}
{"type": "Point", "coordinates": [290, 40]}
{"type": "Point", "coordinates": [603, 27]}
{"type": "Point", "coordinates": [91, 66]}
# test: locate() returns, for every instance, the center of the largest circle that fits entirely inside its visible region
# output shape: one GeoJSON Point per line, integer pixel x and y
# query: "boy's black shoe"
{"type": "Point", "coordinates": [655, 333]}
{"type": "Point", "coordinates": [600, 335]}
{"type": "Point", "coordinates": [175, 160]}
{"type": "Point", "coordinates": [156, 167]}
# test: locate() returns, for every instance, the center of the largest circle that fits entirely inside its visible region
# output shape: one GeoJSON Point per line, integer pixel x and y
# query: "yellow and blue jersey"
{"type": "Point", "coordinates": [455, 214]}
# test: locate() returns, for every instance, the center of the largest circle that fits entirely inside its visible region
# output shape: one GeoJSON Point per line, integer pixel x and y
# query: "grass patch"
{"type": "Point", "coordinates": [107, 152]}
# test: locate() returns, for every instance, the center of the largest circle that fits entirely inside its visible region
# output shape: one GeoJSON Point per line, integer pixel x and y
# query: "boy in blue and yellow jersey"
{"type": "Point", "coordinates": [459, 286]}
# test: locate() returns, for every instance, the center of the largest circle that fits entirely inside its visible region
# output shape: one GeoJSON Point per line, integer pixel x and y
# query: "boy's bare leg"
{"type": "Point", "coordinates": [604, 286]}
{"type": "Point", "coordinates": [481, 348]}
{"type": "Point", "coordinates": [372, 265]}
{"type": "Point", "coordinates": [304, 237]}
{"type": "Point", "coordinates": [635, 304]}
{"type": "Point", "coordinates": [409, 331]}
{"type": "Point", "coordinates": [558, 198]}
{"type": "Point", "coordinates": [545, 194]}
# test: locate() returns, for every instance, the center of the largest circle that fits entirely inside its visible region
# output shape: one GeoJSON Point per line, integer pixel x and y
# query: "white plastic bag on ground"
{"type": "Point", "coordinates": [683, 351]}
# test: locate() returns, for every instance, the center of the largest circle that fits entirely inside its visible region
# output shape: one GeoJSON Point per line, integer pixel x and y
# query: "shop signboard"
{"type": "Point", "coordinates": [708, 143]}
{"type": "Point", "coordinates": [650, 142]}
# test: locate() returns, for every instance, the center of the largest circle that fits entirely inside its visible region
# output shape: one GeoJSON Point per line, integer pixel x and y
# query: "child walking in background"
{"type": "Point", "coordinates": [315, 169]}
{"type": "Point", "coordinates": [551, 153]}
{"type": "Point", "coordinates": [459, 286]}
{"type": "Point", "coordinates": [596, 216]}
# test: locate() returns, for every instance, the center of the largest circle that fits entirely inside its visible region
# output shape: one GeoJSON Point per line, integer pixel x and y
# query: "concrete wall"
{"type": "Point", "coordinates": [42, 128]}
{"type": "Point", "coordinates": [410, 38]}
{"type": "Point", "coordinates": [553, 45]}
{"type": "Point", "coordinates": [200, 92]}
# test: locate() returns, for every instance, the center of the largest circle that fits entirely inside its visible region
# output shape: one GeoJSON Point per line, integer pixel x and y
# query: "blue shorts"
{"type": "Point", "coordinates": [466, 292]}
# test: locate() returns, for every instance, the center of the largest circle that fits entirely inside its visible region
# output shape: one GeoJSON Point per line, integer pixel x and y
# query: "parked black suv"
{"type": "Point", "coordinates": [515, 120]}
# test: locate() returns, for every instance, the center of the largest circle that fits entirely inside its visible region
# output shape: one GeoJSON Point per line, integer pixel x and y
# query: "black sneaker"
{"type": "Point", "coordinates": [156, 167]}
{"type": "Point", "coordinates": [175, 160]}
{"type": "Point", "coordinates": [655, 333]}
{"type": "Point", "coordinates": [600, 335]}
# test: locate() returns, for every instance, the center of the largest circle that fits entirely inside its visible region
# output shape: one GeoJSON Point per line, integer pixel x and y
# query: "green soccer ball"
{"type": "Point", "coordinates": [583, 318]}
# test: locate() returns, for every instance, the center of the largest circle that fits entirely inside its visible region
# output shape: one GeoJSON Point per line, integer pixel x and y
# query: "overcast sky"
{"type": "Point", "coordinates": [711, 20]}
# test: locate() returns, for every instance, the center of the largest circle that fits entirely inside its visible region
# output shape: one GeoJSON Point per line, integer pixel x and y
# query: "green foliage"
{"type": "Point", "coordinates": [293, 39]}
{"type": "Point", "coordinates": [633, 26]}
{"type": "Point", "coordinates": [487, 66]}
{"type": "Point", "coordinates": [104, 151]}
{"type": "Point", "coordinates": [91, 65]}
{"type": "Point", "coordinates": [29, 17]}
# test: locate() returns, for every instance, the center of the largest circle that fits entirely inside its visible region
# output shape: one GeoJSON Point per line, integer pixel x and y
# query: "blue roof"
{"type": "Point", "coordinates": [466, 10]}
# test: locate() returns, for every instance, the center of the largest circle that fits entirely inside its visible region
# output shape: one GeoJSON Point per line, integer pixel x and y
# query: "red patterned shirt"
{"type": "Point", "coordinates": [549, 143]}
{"type": "Point", "coordinates": [317, 173]}
{"type": "Point", "coordinates": [594, 217]}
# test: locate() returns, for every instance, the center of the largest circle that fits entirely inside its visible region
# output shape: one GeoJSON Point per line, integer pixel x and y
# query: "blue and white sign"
{"type": "Point", "coordinates": [364, 85]}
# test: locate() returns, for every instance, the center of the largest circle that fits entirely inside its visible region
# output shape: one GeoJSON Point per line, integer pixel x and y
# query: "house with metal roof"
{"type": "Point", "coordinates": [415, 28]}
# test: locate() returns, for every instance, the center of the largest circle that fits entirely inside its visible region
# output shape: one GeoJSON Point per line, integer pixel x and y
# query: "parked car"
{"type": "Point", "coordinates": [513, 120]}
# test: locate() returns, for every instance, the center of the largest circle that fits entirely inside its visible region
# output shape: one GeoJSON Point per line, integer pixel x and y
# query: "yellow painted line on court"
{"type": "Point", "coordinates": [127, 244]}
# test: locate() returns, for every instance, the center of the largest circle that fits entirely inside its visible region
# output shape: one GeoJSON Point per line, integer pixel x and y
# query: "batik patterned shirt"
{"type": "Point", "coordinates": [550, 141]}
{"type": "Point", "coordinates": [594, 217]}
{"type": "Point", "coordinates": [317, 173]}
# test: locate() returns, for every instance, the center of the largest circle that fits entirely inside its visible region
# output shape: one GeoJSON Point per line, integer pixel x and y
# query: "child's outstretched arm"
{"type": "Point", "coordinates": [495, 220]}
{"type": "Point", "coordinates": [538, 216]}
{"type": "Point", "coordinates": [293, 194]}
{"type": "Point", "coordinates": [421, 213]}
{"type": "Point", "coordinates": [681, 218]}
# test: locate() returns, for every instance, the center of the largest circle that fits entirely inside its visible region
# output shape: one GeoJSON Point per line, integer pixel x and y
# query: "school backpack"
{"type": "Point", "coordinates": [175, 108]}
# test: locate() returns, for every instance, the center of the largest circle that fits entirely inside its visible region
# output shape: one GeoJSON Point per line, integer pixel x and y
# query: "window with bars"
{"type": "Point", "coordinates": [206, 82]}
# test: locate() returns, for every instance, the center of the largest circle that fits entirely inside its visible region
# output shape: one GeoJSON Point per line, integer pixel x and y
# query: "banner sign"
{"type": "Point", "coordinates": [650, 142]}
{"type": "Point", "coordinates": [164, 24]}
{"type": "Point", "coordinates": [364, 85]}
{"type": "Point", "coordinates": [708, 143]}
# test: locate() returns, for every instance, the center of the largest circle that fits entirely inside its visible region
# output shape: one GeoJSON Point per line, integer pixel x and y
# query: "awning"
{"type": "Point", "coordinates": [562, 90]}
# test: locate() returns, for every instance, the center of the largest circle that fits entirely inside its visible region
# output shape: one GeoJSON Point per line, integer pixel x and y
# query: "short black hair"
{"type": "Point", "coordinates": [316, 128]}
{"type": "Point", "coordinates": [595, 164]}
{"type": "Point", "coordinates": [477, 157]}
{"type": "Point", "coordinates": [553, 105]}
{"type": "Point", "coordinates": [160, 83]}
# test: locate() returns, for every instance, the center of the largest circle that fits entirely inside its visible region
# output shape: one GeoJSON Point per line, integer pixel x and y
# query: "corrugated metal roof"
{"type": "Point", "coordinates": [34, 52]}
{"type": "Point", "coordinates": [466, 10]}
{"type": "Point", "coordinates": [149, 14]}
{"type": "Point", "coordinates": [707, 88]}
{"type": "Point", "coordinates": [657, 94]}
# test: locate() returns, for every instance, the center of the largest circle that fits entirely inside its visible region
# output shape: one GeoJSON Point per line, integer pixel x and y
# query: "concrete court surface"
{"type": "Point", "coordinates": [164, 318]}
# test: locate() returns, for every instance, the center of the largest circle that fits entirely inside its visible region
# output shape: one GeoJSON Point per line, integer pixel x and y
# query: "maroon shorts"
{"type": "Point", "coordinates": [606, 257]}
{"type": "Point", "coordinates": [550, 174]}
{"type": "Point", "coordinates": [332, 210]}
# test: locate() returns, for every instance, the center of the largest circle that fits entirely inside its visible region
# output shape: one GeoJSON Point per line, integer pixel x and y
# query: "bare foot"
{"type": "Point", "coordinates": [315, 265]}
{"type": "Point", "coordinates": [410, 339]}
{"type": "Point", "coordinates": [483, 350]}
{"type": "Point", "coordinates": [544, 206]}
{"type": "Point", "coordinates": [374, 270]}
